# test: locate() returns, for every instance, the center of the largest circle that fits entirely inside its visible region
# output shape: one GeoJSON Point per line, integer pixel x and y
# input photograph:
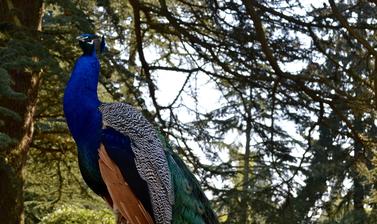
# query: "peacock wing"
{"type": "Point", "coordinates": [150, 158]}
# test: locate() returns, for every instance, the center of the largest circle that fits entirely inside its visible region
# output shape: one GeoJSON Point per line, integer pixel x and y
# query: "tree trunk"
{"type": "Point", "coordinates": [245, 200]}
{"type": "Point", "coordinates": [26, 16]}
{"type": "Point", "coordinates": [358, 179]}
{"type": "Point", "coordinates": [246, 174]}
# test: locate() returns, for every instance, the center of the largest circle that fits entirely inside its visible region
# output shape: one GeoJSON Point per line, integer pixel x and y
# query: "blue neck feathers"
{"type": "Point", "coordinates": [82, 114]}
{"type": "Point", "coordinates": [81, 98]}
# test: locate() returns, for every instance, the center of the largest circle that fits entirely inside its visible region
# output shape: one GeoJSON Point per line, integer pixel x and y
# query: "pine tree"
{"type": "Point", "coordinates": [20, 71]}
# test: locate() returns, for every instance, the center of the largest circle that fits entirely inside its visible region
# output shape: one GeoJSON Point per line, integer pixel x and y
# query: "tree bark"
{"type": "Point", "coordinates": [26, 16]}
{"type": "Point", "coordinates": [245, 200]}
{"type": "Point", "coordinates": [358, 179]}
{"type": "Point", "coordinates": [246, 174]}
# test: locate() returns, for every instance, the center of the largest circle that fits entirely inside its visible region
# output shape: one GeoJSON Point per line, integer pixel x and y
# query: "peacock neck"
{"type": "Point", "coordinates": [81, 101]}
{"type": "Point", "coordinates": [84, 118]}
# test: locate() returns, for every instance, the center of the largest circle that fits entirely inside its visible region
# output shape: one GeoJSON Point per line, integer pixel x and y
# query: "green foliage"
{"type": "Point", "coordinates": [7, 115]}
{"type": "Point", "coordinates": [10, 114]}
{"type": "Point", "coordinates": [8, 190]}
{"type": "Point", "coordinates": [68, 214]}
{"type": "Point", "coordinates": [5, 86]}
{"type": "Point", "coordinates": [323, 171]}
{"type": "Point", "coordinates": [52, 176]}
{"type": "Point", "coordinates": [6, 142]}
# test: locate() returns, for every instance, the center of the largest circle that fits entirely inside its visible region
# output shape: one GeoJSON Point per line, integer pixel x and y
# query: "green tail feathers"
{"type": "Point", "coordinates": [191, 205]}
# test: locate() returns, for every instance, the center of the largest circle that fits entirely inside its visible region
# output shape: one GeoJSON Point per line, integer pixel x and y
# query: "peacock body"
{"type": "Point", "coordinates": [156, 177]}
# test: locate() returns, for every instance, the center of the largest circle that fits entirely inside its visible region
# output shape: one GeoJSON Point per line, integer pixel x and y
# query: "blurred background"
{"type": "Point", "coordinates": [272, 104]}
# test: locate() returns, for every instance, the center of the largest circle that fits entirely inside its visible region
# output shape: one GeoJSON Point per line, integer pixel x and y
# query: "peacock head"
{"type": "Point", "coordinates": [90, 43]}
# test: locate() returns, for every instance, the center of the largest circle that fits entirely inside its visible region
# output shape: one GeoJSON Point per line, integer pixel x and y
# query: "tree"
{"type": "Point", "coordinates": [275, 65]}
{"type": "Point", "coordinates": [20, 83]}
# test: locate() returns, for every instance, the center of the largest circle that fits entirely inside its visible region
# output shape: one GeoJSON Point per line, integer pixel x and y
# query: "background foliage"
{"type": "Point", "coordinates": [290, 139]}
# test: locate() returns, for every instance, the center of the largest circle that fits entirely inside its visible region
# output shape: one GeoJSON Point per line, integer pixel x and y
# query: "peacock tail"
{"type": "Point", "coordinates": [191, 204]}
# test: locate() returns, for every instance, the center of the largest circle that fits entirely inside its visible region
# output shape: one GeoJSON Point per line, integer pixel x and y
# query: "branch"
{"type": "Point", "coordinates": [356, 35]}
{"type": "Point", "coordinates": [373, 1]}
{"type": "Point", "coordinates": [361, 40]}
{"type": "Point", "coordinates": [375, 82]}
{"type": "Point", "coordinates": [136, 10]}
{"type": "Point", "coordinates": [261, 36]}
{"type": "Point", "coordinates": [179, 92]}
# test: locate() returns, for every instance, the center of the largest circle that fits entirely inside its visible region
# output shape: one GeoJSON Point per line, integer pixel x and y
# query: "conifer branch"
{"type": "Point", "coordinates": [16, 20]}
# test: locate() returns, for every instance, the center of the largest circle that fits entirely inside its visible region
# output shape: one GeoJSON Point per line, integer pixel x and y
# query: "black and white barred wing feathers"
{"type": "Point", "coordinates": [150, 158]}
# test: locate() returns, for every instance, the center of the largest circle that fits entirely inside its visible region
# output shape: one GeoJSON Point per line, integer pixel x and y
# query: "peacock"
{"type": "Point", "coordinates": [123, 158]}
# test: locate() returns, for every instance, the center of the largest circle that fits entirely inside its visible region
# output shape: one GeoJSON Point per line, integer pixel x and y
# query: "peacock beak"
{"type": "Point", "coordinates": [87, 37]}
{"type": "Point", "coordinates": [81, 38]}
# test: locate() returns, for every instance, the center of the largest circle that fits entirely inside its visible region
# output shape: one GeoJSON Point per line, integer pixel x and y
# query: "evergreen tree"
{"type": "Point", "coordinates": [276, 65]}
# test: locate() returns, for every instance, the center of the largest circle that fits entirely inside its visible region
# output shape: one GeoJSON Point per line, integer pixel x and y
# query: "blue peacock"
{"type": "Point", "coordinates": [122, 158]}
